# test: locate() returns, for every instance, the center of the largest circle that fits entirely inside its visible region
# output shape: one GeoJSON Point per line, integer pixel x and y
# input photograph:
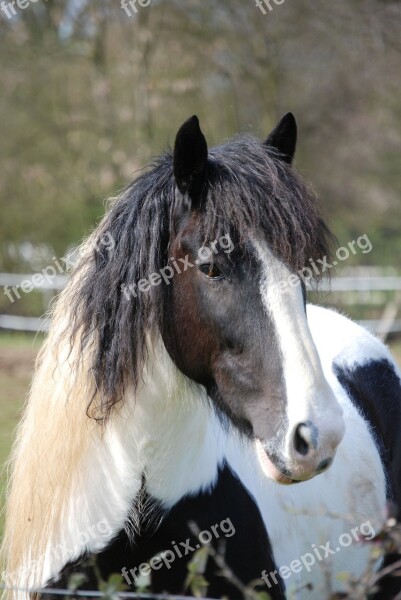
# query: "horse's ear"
{"type": "Point", "coordinates": [283, 138]}
{"type": "Point", "coordinates": [190, 157]}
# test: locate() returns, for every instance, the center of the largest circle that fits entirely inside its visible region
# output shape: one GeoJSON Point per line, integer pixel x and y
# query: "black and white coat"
{"type": "Point", "coordinates": [220, 477]}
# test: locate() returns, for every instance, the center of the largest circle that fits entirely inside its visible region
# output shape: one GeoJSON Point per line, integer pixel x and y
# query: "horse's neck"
{"type": "Point", "coordinates": [166, 437]}
{"type": "Point", "coordinates": [179, 439]}
{"type": "Point", "coordinates": [80, 480]}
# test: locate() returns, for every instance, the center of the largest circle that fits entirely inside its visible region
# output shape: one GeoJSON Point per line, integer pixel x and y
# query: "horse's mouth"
{"type": "Point", "coordinates": [272, 466]}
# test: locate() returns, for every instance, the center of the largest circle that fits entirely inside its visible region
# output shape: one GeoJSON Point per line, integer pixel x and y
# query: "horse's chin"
{"type": "Point", "coordinates": [270, 469]}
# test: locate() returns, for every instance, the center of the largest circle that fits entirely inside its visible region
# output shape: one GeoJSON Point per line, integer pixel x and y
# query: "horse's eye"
{"type": "Point", "coordinates": [211, 271]}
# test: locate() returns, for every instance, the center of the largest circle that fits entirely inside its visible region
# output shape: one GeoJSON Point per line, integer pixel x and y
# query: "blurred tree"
{"type": "Point", "coordinates": [90, 94]}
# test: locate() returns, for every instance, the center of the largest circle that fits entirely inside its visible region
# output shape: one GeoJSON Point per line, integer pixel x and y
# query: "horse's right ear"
{"type": "Point", "coordinates": [283, 138]}
{"type": "Point", "coordinates": [190, 157]}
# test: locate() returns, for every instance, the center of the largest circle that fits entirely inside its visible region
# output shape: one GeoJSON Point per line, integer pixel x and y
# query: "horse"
{"type": "Point", "coordinates": [187, 396]}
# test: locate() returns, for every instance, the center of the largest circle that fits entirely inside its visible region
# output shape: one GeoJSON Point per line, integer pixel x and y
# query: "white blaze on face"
{"type": "Point", "coordinates": [309, 396]}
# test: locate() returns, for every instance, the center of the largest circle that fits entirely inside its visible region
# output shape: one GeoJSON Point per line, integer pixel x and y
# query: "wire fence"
{"type": "Point", "coordinates": [372, 296]}
{"type": "Point", "coordinates": [97, 594]}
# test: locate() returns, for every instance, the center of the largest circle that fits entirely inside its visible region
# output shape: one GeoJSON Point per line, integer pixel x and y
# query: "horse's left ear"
{"type": "Point", "coordinates": [190, 157]}
{"type": "Point", "coordinates": [283, 138]}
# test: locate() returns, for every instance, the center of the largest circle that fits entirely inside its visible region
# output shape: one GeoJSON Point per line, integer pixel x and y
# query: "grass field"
{"type": "Point", "coordinates": [17, 356]}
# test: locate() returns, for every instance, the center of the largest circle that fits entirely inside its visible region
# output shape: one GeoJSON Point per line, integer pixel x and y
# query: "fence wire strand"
{"type": "Point", "coordinates": [98, 594]}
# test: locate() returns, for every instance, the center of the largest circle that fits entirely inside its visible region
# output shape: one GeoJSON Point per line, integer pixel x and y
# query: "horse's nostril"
{"type": "Point", "coordinates": [300, 444]}
{"type": "Point", "coordinates": [304, 438]}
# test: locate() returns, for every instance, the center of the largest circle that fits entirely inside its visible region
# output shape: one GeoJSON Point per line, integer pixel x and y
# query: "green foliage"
{"type": "Point", "coordinates": [75, 581]}
{"type": "Point", "coordinates": [109, 589]}
{"type": "Point", "coordinates": [196, 581]}
{"type": "Point", "coordinates": [112, 587]}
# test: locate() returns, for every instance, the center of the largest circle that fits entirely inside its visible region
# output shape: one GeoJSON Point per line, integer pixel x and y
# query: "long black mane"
{"type": "Point", "coordinates": [248, 188]}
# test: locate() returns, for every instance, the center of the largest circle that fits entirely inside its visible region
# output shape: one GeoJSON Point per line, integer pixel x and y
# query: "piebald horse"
{"type": "Point", "coordinates": [185, 381]}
